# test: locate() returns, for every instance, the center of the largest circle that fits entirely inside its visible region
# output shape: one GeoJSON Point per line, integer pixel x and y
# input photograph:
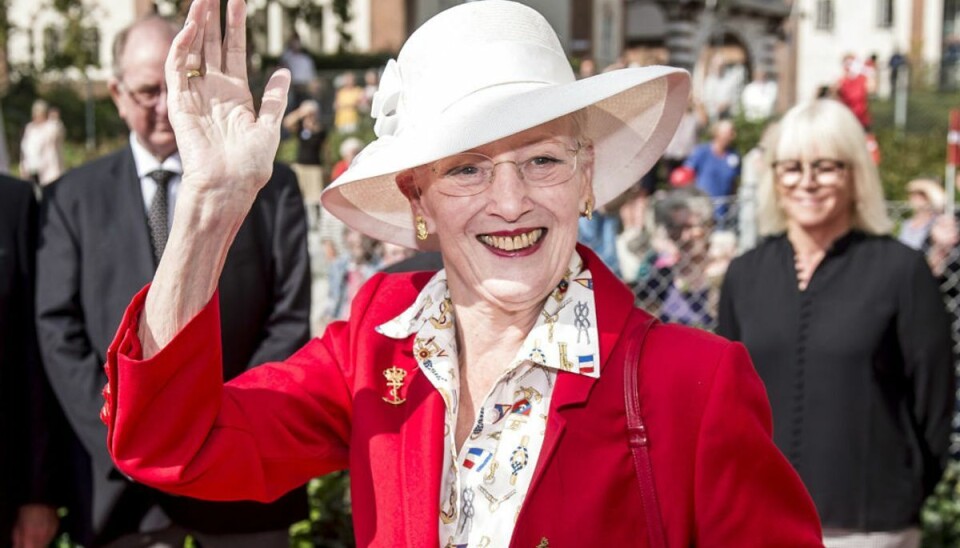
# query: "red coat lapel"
{"type": "Point", "coordinates": [420, 462]}
{"type": "Point", "coordinates": [614, 303]}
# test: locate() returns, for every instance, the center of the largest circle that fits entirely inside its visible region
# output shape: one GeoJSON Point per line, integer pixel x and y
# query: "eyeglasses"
{"type": "Point", "coordinates": [689, 229]}
{"type": "Point", "coordinates": [147, 97]}
{"type": "Point", "coordinates": [542, 164]}
{"type": "Point", "coordinates": [685, 223]}
{"type": "Point", "coordinates": [824, 171]}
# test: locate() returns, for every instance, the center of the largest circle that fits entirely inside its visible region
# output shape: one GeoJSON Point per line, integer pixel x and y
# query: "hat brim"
{"type": "Point", "coordinates": [632, 116]}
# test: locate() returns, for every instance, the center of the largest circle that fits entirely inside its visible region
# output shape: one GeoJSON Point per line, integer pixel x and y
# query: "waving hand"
{"type": "Point", "coordinates": [227, 150]}
{"type": "Point", "coordinates": [225, 145]}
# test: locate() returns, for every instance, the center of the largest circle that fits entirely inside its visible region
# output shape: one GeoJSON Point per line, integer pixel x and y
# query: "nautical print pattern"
{"type": "Point", "coordinates": [486, 481]}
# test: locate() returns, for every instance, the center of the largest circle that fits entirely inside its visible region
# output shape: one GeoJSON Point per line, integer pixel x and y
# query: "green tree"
{"type": "Point", "coordinates": [341, 8]}
{"type": "Point", "coordinates": [4, 38]}
{"type": "Point", "coordinates": [308, 11]}
{"type": "Point", "coordinates": [78, 40]}
{"type": "Point", "coordinates": [75, 44]}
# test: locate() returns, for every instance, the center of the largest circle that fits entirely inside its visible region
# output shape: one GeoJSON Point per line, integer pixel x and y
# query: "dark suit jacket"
{"type": "Point", "coordinates": [95, 254]}
{"type": "Point", "coordinates": [30, 421]}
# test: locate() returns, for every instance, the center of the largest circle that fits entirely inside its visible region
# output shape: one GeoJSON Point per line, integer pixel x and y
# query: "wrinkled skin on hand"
{"type": "Point", "coordinates": [225, 145]}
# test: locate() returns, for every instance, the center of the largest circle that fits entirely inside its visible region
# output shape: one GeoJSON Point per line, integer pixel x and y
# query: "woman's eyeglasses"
{"type": "Point", "coordinates": [824, 171]}
{"type": "Point", "coordinates": [543, 164]}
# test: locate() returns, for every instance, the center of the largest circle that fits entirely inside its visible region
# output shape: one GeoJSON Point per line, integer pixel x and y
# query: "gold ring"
{"type": "Point", "coordinates": [193, 73]}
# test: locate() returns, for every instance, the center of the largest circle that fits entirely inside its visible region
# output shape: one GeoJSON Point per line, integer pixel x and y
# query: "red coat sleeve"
{"type": "Point", "coordinates": [747, 494]}
{"type": "Point", "coordinates": [173, 424]}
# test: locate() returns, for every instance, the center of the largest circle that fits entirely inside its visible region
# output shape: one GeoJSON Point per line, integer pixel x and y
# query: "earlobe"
{"type": "Point", "coordinates": [408, 187]}
{"type": "Point", "coordinates": [587, 210]}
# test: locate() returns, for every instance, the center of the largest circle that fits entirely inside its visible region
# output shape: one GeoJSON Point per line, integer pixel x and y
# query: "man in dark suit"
{"type": "Point", "coordinates": [103, 230]}
{"type": "Point", "coordinates": [28, 516]}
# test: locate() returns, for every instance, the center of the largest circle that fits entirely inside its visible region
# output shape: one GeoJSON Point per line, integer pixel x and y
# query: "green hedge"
{"type": "Point", "coordinates": [941, 513]}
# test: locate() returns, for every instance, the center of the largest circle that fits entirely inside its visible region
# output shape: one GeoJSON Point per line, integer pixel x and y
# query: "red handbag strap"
{"type": "Point", "coordinates": [637, 434]}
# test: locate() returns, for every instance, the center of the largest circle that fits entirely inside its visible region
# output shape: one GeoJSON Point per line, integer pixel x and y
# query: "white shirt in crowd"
{"type": "Point", "coordinates": [40, 150]}
{"type": "Point", "coordinates": [146, 163]}
{"type": "Point", "coordinates": [684, 140]}
{"type": "Point", "coordinates": [758, 100]}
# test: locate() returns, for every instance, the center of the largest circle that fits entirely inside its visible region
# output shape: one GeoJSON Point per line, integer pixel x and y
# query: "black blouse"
{"type": "Point", "coordinates": [858, 369]}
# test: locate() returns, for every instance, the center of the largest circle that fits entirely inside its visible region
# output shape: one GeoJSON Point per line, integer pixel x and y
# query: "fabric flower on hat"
{"type": "Point", "coordinates": [386, 100]}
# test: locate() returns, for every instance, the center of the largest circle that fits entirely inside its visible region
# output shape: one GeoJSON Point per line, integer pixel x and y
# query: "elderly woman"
{"type": "Point", "coordinates": [848, 330]}
{"type": "Point", "coordinates": [483, 405]}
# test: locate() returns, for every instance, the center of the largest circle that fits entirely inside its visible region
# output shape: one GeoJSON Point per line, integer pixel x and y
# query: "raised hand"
{"type": "Point", "coordinates": [225, 146]}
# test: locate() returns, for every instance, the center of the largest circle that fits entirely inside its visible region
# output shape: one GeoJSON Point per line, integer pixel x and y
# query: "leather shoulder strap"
{"type": "Point", "coordinates": [637, 433]}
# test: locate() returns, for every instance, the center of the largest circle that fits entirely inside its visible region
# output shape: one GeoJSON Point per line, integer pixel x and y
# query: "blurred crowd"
{"type": "Point", "coordinates": [671, 238]}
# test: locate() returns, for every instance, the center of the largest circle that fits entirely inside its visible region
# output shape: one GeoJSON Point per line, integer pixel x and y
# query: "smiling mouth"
{"type": "Point", "coordinates": [517, 242]}
{"type": "Point", "coordinates": [809, 201]}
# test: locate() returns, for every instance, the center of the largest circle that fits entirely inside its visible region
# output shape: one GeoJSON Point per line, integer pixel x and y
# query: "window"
{"type": "Point", "coordinates": [884, 14]}
{"type": "Point", "coordinates": [51, 44]}
{"type": "Point", "coordinates": [91, 46]}
{"type": "Point", "coordinates": [824, 15]}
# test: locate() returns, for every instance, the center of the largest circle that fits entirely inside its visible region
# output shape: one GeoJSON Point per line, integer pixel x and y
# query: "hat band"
{"type": "Point", "coordinates": [441, 85]}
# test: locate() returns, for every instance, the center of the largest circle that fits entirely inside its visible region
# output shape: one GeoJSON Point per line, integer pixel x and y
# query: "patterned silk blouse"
{"type": "Point", "coordinates": [487, 480]}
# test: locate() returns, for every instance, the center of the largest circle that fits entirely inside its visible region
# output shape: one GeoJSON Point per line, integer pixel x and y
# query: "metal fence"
{"type": "Point", "coordinates": [680, 281]}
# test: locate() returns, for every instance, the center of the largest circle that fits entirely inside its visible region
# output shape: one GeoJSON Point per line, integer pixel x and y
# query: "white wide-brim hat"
{"type": "Point", "coordinates": [482, 71]}
{"type": "Point", "coordinates": [930, 189]}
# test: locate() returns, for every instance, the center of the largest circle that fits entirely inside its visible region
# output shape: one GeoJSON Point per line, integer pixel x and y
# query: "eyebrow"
{"type": "Point", "coordinates": [525, 143]}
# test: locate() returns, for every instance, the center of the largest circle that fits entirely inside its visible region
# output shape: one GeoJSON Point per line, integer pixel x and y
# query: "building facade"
{"type": "Point", "coordinates": [720, 40]}
{"type": "Point", "coordinates": [822, 32]}
{"type": "Point", "coordinates": [587, 28]}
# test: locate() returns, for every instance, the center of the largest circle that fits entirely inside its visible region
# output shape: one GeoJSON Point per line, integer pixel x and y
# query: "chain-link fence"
{"type": "Point", "coordinates": [677, 260]}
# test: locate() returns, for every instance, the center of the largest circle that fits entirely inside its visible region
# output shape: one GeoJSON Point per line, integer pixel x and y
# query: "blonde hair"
{"type": "Point", "coordinates": [824, 128]}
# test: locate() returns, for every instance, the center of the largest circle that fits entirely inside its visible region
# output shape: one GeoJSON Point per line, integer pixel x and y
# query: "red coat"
{"type": "Point", "coordinates": [852, 91]}
{"type": "Point", "coordinates": [719, 478]}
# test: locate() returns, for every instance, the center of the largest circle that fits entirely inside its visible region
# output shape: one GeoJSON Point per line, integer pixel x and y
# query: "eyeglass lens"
{"type": "Point", "coordinates": [147, 96]}
{"type": "Point", "coordinates": [823, 172]}
{"type": "Point", "coordinates": [545, 163]}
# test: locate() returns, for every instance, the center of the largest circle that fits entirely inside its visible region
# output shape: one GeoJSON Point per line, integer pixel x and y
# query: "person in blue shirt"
{"type": "Point", "coordinates": [717, 165]}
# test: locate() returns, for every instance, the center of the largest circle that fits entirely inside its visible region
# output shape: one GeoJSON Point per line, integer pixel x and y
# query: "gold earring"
{"type": "Point", "coordinates": [421, 228]}
{"type": "Point", "coordinates": [588, 210]}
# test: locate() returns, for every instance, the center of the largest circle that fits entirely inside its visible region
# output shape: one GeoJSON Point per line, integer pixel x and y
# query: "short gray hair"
{"type": "Point", "coordinates": [121, 39]}
{"type": "Point", "coordinates": [666, 204]}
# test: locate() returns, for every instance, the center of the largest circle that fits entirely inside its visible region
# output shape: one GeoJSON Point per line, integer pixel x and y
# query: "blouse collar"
{"type": "Point", "coordinates": [564, 336]}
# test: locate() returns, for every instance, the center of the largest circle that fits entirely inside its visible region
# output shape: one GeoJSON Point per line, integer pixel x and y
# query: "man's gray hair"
{"type": "Point", "coordinates": [120, 40]}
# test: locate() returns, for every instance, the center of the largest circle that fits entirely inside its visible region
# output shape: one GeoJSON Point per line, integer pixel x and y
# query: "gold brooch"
{"type": "Point", "coordinates": [395, 377]}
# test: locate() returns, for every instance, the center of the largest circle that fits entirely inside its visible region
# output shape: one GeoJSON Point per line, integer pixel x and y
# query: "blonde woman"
{"type": "Point", "coordinates": [847, 328]}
